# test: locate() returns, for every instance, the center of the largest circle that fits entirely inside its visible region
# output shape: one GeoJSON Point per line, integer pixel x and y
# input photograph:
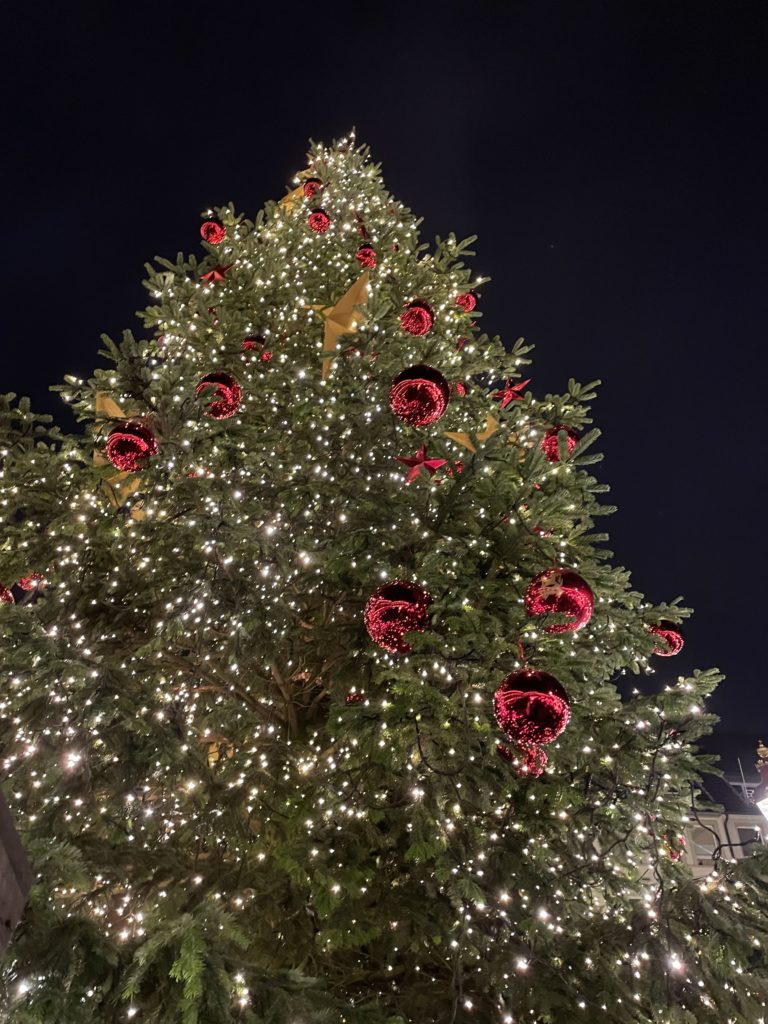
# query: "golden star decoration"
{"type": "Point", "coordinates": [343, 318]}
{"type": "Point", "coordinates": [122, 485]}
{"type": "Point", "coordinates": [464, 439]}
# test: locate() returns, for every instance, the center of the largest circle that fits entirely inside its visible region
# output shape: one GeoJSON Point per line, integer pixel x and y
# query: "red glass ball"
{"type": "Point", "coordinates": [397, 608]}
{"type": "Point", "coordinates": [670, 639]}
{"type": "Point", "coordinates": [227, 394]}
{"type": "Point", "coordinates": [319, 221]}
{"type": "Point", "coordinates": [417, 318]}
{"type": "Point", "coordinates": [213, 232]}
{"type": "Point", "coordinates": [419, 395]}
{"type": "Point", "coordinates": [467, 301]}
{"type": "Point", "coordinates": [129, 445]}
{"type": "Point", "coordinates": [366, 256]}
{"type": "Point", "coordinates": [312, 187]}
{"type": "Point", "coordinates": [561, 592]}
{"type": "Point", "coordinates": [31, 581]}
{"type": "Point", "coordinates": [6, 597]}
{"type": "Point", "coordinates": [531, 708]}
{"type": "Point", "coordinates": [549, 443]}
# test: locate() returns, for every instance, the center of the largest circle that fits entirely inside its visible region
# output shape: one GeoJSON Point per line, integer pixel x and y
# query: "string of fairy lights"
{"type": "Point", "coordinates": [218, 634]}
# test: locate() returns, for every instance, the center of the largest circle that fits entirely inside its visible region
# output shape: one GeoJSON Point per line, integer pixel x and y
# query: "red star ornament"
{"type": "Point", "coordinates": [420, 461]}
{"type": "Point", "coordinates": [215, 275]}
{"type": "Point", "coordinates": [510, 393]}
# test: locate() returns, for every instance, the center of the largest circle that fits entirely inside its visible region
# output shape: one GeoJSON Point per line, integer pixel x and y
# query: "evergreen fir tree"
{"type": "Point", "coordinates": [242, 807]}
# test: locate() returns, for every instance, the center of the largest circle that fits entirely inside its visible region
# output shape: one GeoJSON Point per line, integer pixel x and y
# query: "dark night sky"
{"type": "Point", "coordinates": [611, 156]}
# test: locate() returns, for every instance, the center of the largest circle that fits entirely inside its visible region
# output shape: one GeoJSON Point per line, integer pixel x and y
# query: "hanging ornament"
{"type": "Point", "coordinates": [319, 221]}
{"type": "Point", "coordinates": [354, 698]}
{"type": "Point", "coordinates": [397, 608]}
{"type": "Point", "coordinates": [256, 343]}
{"type": "Point", "coordinates": [418, 462]}
{"type": "Point", "coordinates": [129, 445]}
{"type": "Point", "coordinates": [6, 597]}
{"type": "Point", "coordinates": [213, 232]}
{"type": "Point", "coordinates": [674, 845]}
{"type": "Point", "coordinates": [366, 256]}
{"type": "Point", "coordinates": [417, 318]}
{"type": "Point", "coordinates": [532, 709]}
{"type": "Point", "coordinates": [459, 388]}
{"type": "Point", "coordinates": [227, 394]}
{"type": "Point", "coordinates": [216, 275]}
{"type": "Point", "coordinates": [419, 395]}
{"type": "Point", "coordinates": [312, 187]}
{"type": "Point", "coordinates": [561, 592]}
{"type": "Point", "coordinates": [550, 443]}
{"type": "Point", "coordinates": [510, 393]}
{"type": "Point", "coordinates": [36, 579]}
{"type": "Point", "coordinates": [466, 301]}
{"type": "Point", "coordinates": [670, 639]}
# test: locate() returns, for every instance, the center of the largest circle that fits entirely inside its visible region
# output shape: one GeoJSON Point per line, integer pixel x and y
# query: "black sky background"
{"type": "Point", "coordinates": [611, 157]}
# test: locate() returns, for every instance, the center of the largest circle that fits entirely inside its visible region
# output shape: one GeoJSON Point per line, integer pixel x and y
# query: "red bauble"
{"type": "Point", "coordinates": [319, 221]}
{"type": "Point", "coordinates": [467, 301]}
{"type": "Point", "coordinates": [312, 187]}
{"type": "Point", "coordinates": [670, 639]}
{"type": "Point", "coordinates": [397, 608]}
{"type": "Point", "coordinates": [561, 592]}
{"type": "Point", "coordinates": [530, 760]}
{"type": "Point", "coordinates": [213, 231]}
{"type": "Point", "coordinates": [366, 256]}
{"type": "Point", "coordinates": [419, 395]}
{"type": "Point", "coordinates": [129, 445]}
{"type": "Point", "coordinates": [460, 388]}
{"type": "Point", "coordinates": [32, 581]}
{"type": "Point", "coordinates": [550, 445]}
{"type": "Point", "coordinates": [227, 394]}
{"type": "Point", "coordinates": [6, 597]}
{"type": "Point", "coordinates": [257, 344]}
{"type": "Point", "coordinates": [531, 707]}
{"type": "Point", "coordinates": [418, 318]}
{"type": "Point", "coordinates": [353, 698]}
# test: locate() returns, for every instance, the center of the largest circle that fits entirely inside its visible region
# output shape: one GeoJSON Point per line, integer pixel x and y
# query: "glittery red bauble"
{"type": "Point", "coordinates": [531, 708]}
{"type": "Point", "coordinates": [397, 608]}
{"type": "Point", "coordinates": [6, 597]}
{"type": "Point", "coordinates": [366, 256]}
{"type": "Point", "coordinates": [129, 445]}
{"type": "Point", "coordinates": [529, 760]}
{"type": "Point", "coordinates": [467, 301]}
{"type": "Point", "coordinates": [561, 592]}
{"type": "Point", "coordinates": [312, 187]}
{"type": "Point", "coordinates": [32, 581]}
{"type": "Point", "coordinates": [353, 698]}
{"type": "Point", "coordinates": [319, 221]}
{"type": "Point", "coordinates": [670, 639]}
{"type": "Point", "coordinates": [227, 394]}
{"type": "Point", "coordinates": [549, 443]}
{"type": "Point", "coordinates": [418, 318]}
{"type": "Point", "coordinates": [213, 231]}
{"type": "Point", "coordinates": [419, 395]}
{"type": "Point", "coordinates": [256, 344]}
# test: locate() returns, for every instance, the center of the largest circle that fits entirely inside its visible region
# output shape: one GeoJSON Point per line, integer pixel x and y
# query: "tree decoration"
{"type": "Point", "coordinates": [510, 392]}
{"type": "Point", "coordinates": [560, 592]}
{"type": "Point", "coordinates": [256, 343]}
{"type": "Point", "coordinates": [550, 444]}
{"type": "Point", "coordinates": [419, 395]}
{"type": "Point", "coordinates": [213, 232]}
{"type": "Point", "coordinates": [366, 256]}
{"type": "Point", "coordinates": [319, 221]}
{"type": "Point", "coordinates": [465, 440]}
{"type": "Point", "coordinates": [6, 597]}
{"type": "Point", "coordinates": [130, 445]}
{"type": "Point", "coordinates": [397, 608]}
{"type": "Point", "coordinates": [216, 275]}
{"type": "Point", "coordinates": [459, 388]}
{"type": "Point", "coordinates": [342, 318]}
{"type": "Point", "coordinates": [466, 301]}
{"type": "Point", "coordinates": [32, 581]}
{"type": "Point", "coordinates": [532, 709]}
{"type": "Point", "coordinates": [312, 187]}
{"type": "Point", "coordinates": [227, 394]}
{"type": "Point", "coordinates": [418, 462]}
{"type": "Point", "coordinates": [417, 318]}
{"type": "Point", "coordinates": [354, 697]}
{"type": "Point", "coordinates": [670, 639]}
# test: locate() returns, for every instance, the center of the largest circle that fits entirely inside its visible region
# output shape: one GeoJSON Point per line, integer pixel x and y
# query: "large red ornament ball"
{"type": "Point", "coordinates": [397, 608]}
{"type": "Point", "coordinates": [6, 597]}
{"type": "Point", "coordinates": [561, 592]}
{"type": "Point", "coordinates": [129, 445]}
{"type": "Point", "coordinates": [417, 318]}
{"type": "Point", "coordinates": [312, 187]}
{"type": "Point", "coordinates": [531, 707]}
{"type": "Point", "coordinates": [319, 221]}
{"type": "Point", "coordinates": [669, 639]}
{"type": "Point", "coordinates": [366, 256]}
{"type": "Point", "coordinates": [550, 445]}
{"type": "Point", "coordinates": [419, 395]}
{"type": "Point", "coordinates": [213, 232]}
{"type": "Point", "coordinates": [227, 394]}
{"type": "Point", "coordinates": [466, 301]}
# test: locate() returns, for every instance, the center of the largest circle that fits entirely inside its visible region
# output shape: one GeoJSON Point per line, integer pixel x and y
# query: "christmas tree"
{"type": "Point", "coordinates": [312, 702]}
